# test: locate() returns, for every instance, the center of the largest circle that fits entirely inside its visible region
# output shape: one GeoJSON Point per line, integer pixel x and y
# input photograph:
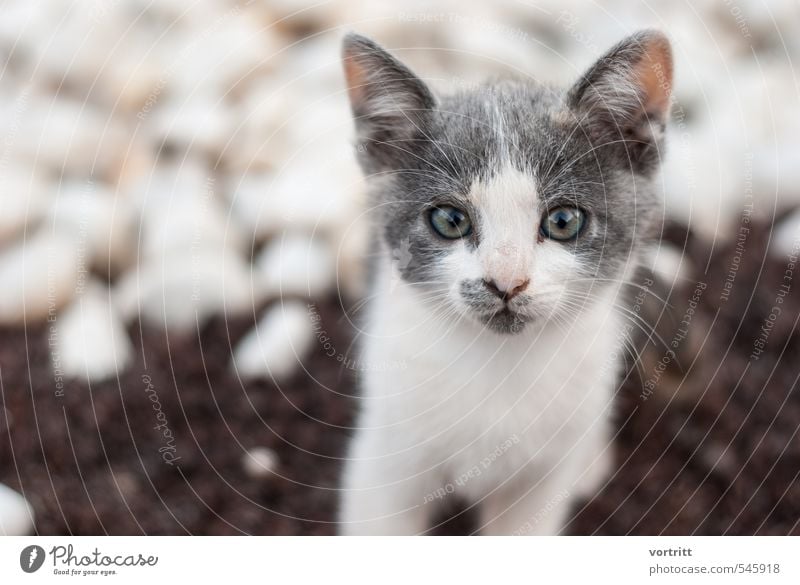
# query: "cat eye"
{"type": "Point", "coordinates": [563, 223]}
{"type": "Point", "coordinates": [450, 222]}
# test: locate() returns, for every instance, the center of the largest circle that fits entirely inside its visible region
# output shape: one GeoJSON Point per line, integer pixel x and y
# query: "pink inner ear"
{"type": "Point", "coordinates": [654, 73]}
{"type": "Point", "coordinates": [356, 79]}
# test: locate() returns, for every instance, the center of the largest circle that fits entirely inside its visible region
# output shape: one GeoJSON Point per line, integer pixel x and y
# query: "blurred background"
{"type": "Point", "coordinates": [182, 245]}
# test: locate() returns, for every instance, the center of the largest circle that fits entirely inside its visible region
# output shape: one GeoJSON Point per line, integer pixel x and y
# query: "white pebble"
{"type": "Point", "coordinates": [223, 55]}
{"type": "Point", "coordinates": [669, 264]}
{"type": "Point", "coordinates": [295, 264]}
{"type": "Point", "coordinates": [91, 340]}
{"type": "Point", "coordinates": [39, 275]}
{"type": "Point", "coordinates": [319, 56]}
{"type": "Point", "coordinates": [304, 14]}
{"type": "Point", "coordinates": [133, 80]}
{"type": "Point", "coordinates": [179, 290]}
{"type": "Point", "coordinates": [263, 123]}
{"type": "Point", "coordinates": [709, 200]}
{"type": "Point", "coordinates": [260, 462]}
{"type": "Point", "coordinates": [278, 344]}
{"type": "Point", "coordinates": [786, 237]}
{"type": "Point", "coordinates": [181, 210]}
{"type": "Point", "coordinates": [23, 23]}
{"type": "Point", "coordinates": [302, 195]}
{"type": "Point", "coordinates": [324, 126]}
{"type": "Point", "coordinates": [63, 57]}
{"type": "Point", "coordinates": [249, 206]}
{"type": "Point", "coordinates": [187, 223]}
{"type": "Point", "coordinates": [16, 515]}
{"type": "Point", "coordinates": [99, 223]}
{"type": "Point", "coordinates": [23, 199]}
{"type": "Point", "coordinates": [66, 136]}
{"type": "Point", "coordinates": [776, 172]}
{"type": "Point", "coordinates": [202, 121]}
{"type": "Point", "coordinates": [153, 188]}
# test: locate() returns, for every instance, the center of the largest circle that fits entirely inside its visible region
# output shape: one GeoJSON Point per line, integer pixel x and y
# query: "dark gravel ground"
{"type": "Point", "coordinates": [714, 449]}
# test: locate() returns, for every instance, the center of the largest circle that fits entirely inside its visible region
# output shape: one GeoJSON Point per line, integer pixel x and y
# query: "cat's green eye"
{"type": "Point", "coordinates": [563, 223]}
{"type": "Point", "coordinates": [450, 222]}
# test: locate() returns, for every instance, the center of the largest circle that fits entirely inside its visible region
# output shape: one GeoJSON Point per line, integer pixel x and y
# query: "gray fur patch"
{"type": "Point", "coordinates": [580, 154]}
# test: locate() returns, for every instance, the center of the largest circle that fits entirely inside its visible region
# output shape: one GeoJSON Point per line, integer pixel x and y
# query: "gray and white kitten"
{"type": "Point", "coordinates": [507, 220]}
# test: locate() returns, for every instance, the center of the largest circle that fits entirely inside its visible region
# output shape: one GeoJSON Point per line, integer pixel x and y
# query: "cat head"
{"type": "Point", "coordinates": [513, 202]}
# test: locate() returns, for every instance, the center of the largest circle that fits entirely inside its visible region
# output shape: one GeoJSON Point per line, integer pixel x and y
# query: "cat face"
{"type": "Point", "coordinates": [512, 202]}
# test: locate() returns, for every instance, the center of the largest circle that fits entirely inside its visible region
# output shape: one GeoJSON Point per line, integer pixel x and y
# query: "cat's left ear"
{"type": "Point", "coordinates": [625, 95]}
{"type": "Point", "coordinates": [390, 104]}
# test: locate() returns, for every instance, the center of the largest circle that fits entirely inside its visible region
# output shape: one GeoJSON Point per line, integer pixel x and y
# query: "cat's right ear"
{"type": "Point", "coordinates": [390, 104]}
{"type": "Point", "coordinates": [625, 96]}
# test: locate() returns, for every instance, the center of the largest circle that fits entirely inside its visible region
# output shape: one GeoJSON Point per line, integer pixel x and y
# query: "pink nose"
{"type": "Point", "coordinates": [507, 290]}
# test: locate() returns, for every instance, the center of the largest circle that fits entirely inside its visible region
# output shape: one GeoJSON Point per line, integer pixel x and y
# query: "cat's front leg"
{"type": "Point", "coordinates": [520, 509]}
{"type": "Point", "coordinates": [382, 493]}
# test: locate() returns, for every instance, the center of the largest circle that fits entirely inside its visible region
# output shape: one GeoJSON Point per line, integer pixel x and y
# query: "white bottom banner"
{"type": "Point", "coordinates": [390, 560]}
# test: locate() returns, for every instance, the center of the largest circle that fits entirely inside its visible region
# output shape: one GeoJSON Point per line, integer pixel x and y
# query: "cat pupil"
{"type": "Point", "coordinates": [563, 224]}
{"type": "Point", "coordinates": [450, 223]}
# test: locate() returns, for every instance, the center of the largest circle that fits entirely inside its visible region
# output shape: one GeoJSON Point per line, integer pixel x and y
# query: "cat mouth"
{"type": "Point", "coordinates": [505, 321]}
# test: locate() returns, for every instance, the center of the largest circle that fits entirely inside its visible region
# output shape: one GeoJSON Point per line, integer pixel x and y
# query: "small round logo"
{"type": "Point", "coordinates": [31, 558]}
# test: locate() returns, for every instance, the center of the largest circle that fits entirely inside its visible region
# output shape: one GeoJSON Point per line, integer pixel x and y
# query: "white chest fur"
{"type": "Point", "coordinates": [469, 410]}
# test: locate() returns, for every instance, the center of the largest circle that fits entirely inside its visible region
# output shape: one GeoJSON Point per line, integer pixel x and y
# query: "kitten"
{"type": "Point", "coordinates": [507, 219]}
